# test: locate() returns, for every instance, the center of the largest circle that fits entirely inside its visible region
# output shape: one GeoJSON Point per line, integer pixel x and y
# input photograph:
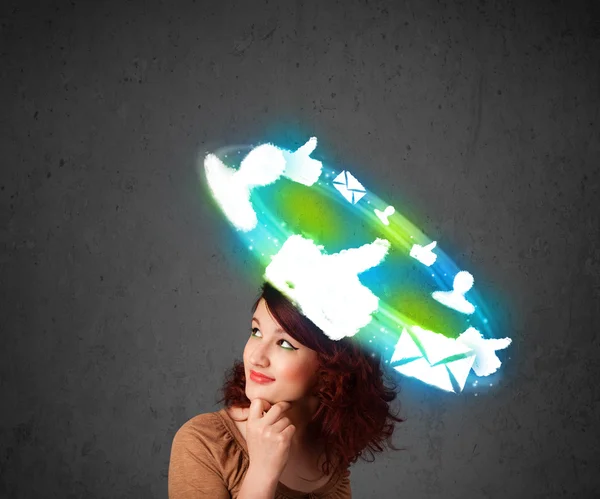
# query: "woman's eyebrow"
{"type": "Point", "coordinates": [278, 330]}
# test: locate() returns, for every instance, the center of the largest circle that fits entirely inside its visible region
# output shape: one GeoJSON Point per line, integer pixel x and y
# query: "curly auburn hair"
{"type": "Point", "coordinates": [354, 404]}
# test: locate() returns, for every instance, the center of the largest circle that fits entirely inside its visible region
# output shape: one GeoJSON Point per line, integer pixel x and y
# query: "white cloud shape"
{"type": "Point", "coordinates": [262, 166]}
{"type": "Point", "coordinates": [325, 287]}
{"type": "Point", "coordinates": [463, 282]}
{"type": "Point", "coordinates": [486, 360]}
{"type": "Point", "coordinates": [300, 167]}
{"type": "Point", "coordinates": [231, 188]}
{"type": "Point", "coordinates": [425, 253]}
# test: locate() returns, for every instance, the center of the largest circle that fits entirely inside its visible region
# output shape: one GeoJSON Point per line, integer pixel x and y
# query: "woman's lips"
{"type": "Point", "coordinates": [257, 378]}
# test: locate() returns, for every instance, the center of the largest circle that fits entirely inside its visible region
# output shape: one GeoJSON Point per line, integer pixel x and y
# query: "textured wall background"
{"type": "Point", "coordinates": [123, 300]}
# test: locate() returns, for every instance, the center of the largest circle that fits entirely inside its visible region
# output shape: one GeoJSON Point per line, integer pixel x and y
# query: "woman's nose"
{"type": "Point", "coordinates": [260, 355]}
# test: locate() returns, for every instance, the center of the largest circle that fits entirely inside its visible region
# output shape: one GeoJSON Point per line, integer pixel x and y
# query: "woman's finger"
{"type": "Point", "coordinates": [257, 407]}
{"type": "Point", "coordinates": [274, 413]}
{"type": "Point", "coordinates": [281, 424]}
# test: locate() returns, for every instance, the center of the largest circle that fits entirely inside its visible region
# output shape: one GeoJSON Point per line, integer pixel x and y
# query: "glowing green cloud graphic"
{"type": "Point", "coordinates": [352, 264]}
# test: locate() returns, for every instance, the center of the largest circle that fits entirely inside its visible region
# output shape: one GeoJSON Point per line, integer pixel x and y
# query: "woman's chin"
{"type": "Point", "coordinates": [257, 392]}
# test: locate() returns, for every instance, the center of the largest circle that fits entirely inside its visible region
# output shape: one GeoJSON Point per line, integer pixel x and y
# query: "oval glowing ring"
{"type": "Point", "coordinates": [315, 229]}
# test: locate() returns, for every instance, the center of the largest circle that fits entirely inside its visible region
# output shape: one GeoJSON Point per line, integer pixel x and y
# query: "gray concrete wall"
{"type": "Point", "coordinates": [123, 293]}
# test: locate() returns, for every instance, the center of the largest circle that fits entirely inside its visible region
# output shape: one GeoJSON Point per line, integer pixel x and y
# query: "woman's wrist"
{"type": "Point", "coordinates": [260, 474]}
{"type": "Point", "coordinates": [258, 484]}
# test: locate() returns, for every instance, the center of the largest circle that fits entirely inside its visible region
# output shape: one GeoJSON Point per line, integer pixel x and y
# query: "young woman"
{"type": "Point", "coordinates": [297, 412]}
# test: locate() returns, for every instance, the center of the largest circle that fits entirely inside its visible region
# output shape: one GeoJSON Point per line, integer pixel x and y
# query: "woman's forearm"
{"type": "Point", "coordinates": [257, 486]}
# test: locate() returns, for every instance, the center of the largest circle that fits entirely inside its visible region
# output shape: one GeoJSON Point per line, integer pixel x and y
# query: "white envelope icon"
{"type": "Point", "coordinates": [433, 358]}
{"type": "Point", "coordinates": [350, 188]}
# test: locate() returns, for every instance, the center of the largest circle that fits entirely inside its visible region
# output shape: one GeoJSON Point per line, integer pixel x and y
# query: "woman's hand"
{"type": "Point", "coordinates": [268, 437]}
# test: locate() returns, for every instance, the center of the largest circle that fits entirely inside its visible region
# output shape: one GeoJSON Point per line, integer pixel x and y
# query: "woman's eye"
{"type": "Point", "coordinates": [252, 333]}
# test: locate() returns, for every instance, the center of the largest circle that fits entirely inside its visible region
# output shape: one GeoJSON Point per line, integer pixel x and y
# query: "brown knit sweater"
{"type": "Point", "coordinates": [209, 459]}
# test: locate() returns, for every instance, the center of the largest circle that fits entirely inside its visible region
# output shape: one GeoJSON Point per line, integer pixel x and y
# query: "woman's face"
{"type": "Point", "coordinates": [274, 353]}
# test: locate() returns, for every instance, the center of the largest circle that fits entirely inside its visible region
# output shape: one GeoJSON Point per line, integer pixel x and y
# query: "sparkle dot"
{"type": "Point", "coordinates": [249, 247]}
{"type": "Point", "coordinates": [476, 395]}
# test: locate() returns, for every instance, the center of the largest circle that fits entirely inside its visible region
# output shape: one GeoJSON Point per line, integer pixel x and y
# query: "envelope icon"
{"type": "Point", "coordinates": [349, 187]}
{"type": "Point", "coordinates": [433, 358]}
